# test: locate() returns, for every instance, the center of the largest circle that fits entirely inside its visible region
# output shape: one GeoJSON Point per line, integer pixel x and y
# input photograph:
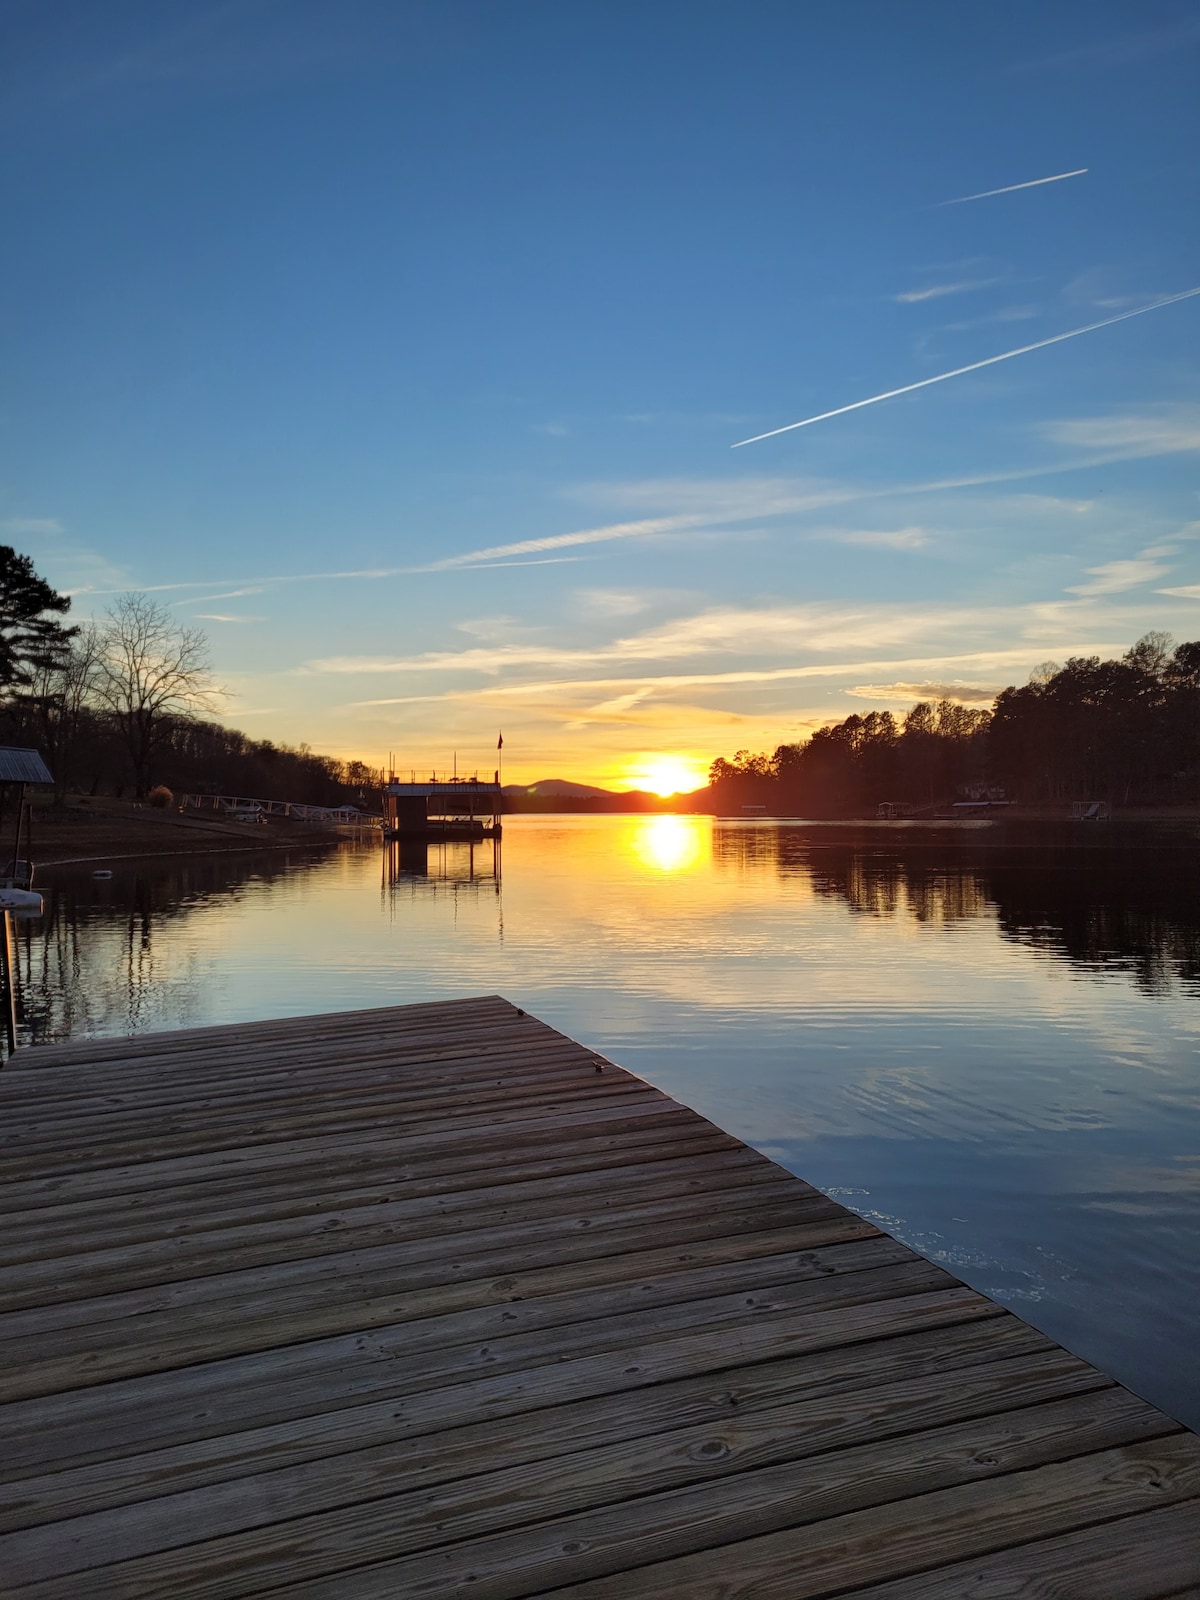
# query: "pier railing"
{"type": "Point", "coordinates": [240, 808]}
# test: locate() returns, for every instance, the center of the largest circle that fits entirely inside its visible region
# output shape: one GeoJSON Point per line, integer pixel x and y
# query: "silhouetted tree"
{"type": "Point", "coordinates": [31, 637]}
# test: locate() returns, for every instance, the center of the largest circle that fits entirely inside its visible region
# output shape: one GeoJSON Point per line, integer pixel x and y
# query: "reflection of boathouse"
{"type": "Point", "coordinates": [447, 808]}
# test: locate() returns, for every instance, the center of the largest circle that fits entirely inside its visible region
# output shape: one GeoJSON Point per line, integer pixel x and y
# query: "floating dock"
{"type": "Point", "coordinates": [432, 1301]}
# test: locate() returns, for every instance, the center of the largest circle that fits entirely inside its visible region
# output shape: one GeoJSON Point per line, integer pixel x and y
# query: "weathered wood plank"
{"type": "Point", "coordinates": [374, 1516]}
{"type": "Point", "coordinates": [849, 1515]}
{"type": "Point", "coordinates": [528, 1126]}
{"type": "Point", "coordinates": [79, 1358]}
{"type": "Point", "coordinates": [448, 1068]}
{"type": "Point", "coordinates": [417, 1236]}
{"type": "Point", "coordinates": [301, 1380]}
{"type": "Point", "coordinates": [411, 1017]}
{"type": "Point", "coordinates": [354, 1181]}
{"type": "Point", "coordinates": [60, 1435]}
{"type": "Point", "coordinates": [152, 1143]}
{"type": "Point", "coordinates": [484, 1274]}
{"type": "Point", "coordinates": [446, 1440]}
{"type": "Point", "coordinates": [314, 1162]}
{"type": "Point", "coordinates": [226, 1225]}
{"type": "Point", "coordinates": [906, 1537]}
{"type": "Point", "coordinates": [1142, 1557]}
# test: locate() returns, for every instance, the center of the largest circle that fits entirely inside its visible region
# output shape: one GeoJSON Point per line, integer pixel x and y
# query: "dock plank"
{"type": "Point", "coordinates": [432, 1300]}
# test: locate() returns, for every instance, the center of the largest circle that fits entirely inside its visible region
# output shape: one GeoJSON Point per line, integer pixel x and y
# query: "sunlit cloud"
{"type": "Point", "coordinates": [621, 702]}
{"type": "Point", "coordinates": [226, 616]}
{"type": "Point", "coordinates": [974, 366]}
{"type": "Point", "coordinates": [1011, 188]}
{"type": "Point", "coordinates": [1186, 591]}
{"type": "Point", "coordinates": [985, 661]}
{"type": "Point", "coordinates": [966, 693]}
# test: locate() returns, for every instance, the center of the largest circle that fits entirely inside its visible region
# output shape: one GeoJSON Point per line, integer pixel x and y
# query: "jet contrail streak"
{"type": "Point", "coordinates": [1034, 183]}
{"type": "Point", "coordinates": [990, 361]}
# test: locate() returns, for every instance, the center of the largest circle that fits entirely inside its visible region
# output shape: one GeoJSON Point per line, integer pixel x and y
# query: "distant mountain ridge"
{"type": "Point", "coordinates": [558, 789]}
{"type": "Point", "coordinates": [561, 794]}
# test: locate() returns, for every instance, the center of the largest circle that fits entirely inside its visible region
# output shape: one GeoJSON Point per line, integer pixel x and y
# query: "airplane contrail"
{"type": "Point", "coordinates": [1011, 188]}
{"type": "Point", "coordinates": [989, 361]}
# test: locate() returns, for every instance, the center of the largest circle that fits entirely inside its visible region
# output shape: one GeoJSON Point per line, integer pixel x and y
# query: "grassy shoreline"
{"type": "Point", "coordinates": [98, 830]}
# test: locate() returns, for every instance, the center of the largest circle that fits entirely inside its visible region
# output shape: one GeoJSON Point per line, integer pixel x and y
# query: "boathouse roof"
{"type": "Point", "coordinates": [22, 766]}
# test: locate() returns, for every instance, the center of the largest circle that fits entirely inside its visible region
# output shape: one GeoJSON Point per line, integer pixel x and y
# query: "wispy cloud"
{"type": "Point", "coordinates": [644, 528]}
{"type": "Point", "coordinates": [31, 525]}
{"type": "Point", "coordinates": [1126, 48]}
{"type": "Point", "coordinates": [611, 602]}
{"type": "Point", "coordinates": [224, 594]}
{"type": "Point", "coordinates": [1004, 314]}
{"type": "Point", "coordinates": [1129, 435]}
{"type": "Point", "coordinates": [1186, 591]}
{"type": "Point", "coordinates": [1115, 577]}
{"type": "Point", "coordinates": [885, 539]}
{"type": "Point", "coordinates": [226, 616]}
{"type": "Point", "coordinates": [938, 291]}
{"type": "Point", "coordinates": [966, 693]}
{"type": "Point", "coordinates": [974, 366]}
{"type": "Point", "coordinates": [1011, 188]}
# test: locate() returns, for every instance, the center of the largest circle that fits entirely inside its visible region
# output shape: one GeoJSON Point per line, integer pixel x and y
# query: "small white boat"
{"type": "Point", "coordinates": [21, 900]}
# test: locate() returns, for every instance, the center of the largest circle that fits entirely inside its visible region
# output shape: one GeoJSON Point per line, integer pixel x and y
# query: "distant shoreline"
{"type": "Point", "coordinates": [93, 832]}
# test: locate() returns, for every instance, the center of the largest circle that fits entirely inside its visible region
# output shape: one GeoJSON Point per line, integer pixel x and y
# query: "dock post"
{"type": "Point", "coordinates": [8, 959]}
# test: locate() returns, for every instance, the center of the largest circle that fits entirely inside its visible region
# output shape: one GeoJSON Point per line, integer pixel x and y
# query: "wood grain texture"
{"type": "Point", "coordinates": [432, 1300]}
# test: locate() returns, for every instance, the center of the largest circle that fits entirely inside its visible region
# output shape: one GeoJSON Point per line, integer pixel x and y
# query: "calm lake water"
{"type": "Point", "coordinates": [993, 1058]}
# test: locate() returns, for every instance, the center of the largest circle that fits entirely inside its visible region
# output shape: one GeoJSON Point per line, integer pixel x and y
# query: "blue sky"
{"type": "Point", "coordinates": [403, 347]}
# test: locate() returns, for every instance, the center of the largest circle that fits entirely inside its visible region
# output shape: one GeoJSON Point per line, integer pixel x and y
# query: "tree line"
{"type": "Point", "coordinates": [1125, 731]}
{"type": "Point", "coordinates": [123, 705]}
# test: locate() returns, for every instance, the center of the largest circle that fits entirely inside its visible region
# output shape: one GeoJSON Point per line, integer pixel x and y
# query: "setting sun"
{"type": "Point", "coordinates": [664, 775]}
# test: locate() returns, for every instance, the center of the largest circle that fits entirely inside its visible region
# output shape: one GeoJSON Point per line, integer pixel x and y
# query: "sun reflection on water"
{"type": "Point", "coordinates": [669, 844]}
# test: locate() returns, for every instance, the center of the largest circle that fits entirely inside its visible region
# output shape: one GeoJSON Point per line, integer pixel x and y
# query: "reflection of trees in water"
{"type": "Point", "coordinates": [100, 961]}
{"type": "Point", "coordinates": [1135, 911]}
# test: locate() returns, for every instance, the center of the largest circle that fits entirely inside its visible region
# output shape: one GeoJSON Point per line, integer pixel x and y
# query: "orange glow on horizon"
{"type": "Point", "coordinates": [666, 775]}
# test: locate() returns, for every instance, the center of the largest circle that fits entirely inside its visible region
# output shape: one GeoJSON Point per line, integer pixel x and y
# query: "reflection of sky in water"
{"type": "Point", "coordinates": [996, 1062]}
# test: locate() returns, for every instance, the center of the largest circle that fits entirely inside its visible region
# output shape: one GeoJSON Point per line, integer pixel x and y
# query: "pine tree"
{"type": "Point", "coordinates": [29, 638]}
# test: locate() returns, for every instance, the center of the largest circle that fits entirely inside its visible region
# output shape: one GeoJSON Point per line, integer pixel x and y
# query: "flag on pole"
{"type": "Point", "coordinates": [500, 742]}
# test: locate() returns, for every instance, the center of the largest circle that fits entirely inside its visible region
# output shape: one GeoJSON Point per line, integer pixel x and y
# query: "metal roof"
{"type": "Point", "coordinates": [22, 766]}
{"type": "Point", "coordinates": [465, 787]}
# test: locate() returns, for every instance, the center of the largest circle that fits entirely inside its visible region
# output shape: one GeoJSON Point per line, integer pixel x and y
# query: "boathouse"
{"type": "Point", "coordinates": [444, 808]}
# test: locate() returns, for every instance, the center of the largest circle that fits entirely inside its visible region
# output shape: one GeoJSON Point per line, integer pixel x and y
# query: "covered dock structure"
{"type": "Point", "coordinates": [443, 808]}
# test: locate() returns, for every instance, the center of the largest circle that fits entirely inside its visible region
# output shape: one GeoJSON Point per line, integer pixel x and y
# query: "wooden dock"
{"type": "Point", "coordinates": [432, 1301]}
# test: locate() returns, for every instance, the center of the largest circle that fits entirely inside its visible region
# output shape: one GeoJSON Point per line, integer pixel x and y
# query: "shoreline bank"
{"type": "Point", "coordinates": [96, 831]}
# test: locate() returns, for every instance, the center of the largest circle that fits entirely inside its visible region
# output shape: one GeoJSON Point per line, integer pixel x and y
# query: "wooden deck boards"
{"type": "Point", "coordinates": [432, 1301]}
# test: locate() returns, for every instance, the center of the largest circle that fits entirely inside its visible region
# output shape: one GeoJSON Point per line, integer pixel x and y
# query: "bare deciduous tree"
{"type": "Point", "coordinates": [151, 671]}
{"type": "Point", "coordinates": [57, 697]}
